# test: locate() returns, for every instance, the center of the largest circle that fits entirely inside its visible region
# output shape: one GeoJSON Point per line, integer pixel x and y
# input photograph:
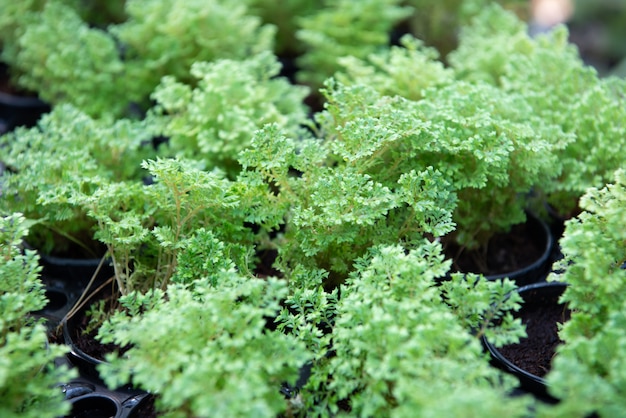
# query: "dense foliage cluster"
{"type": "Point", "coordinates": [256, 239]}
{"type": "Point", "coordinates": [27, 374]}
{"type": "Point", "coordinates": [587, 369]}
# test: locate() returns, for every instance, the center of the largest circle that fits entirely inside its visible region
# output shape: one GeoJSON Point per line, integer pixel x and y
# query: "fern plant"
{"type": "Point", "coordinates": [65, 61]}
{"type": "Point", "coordinates": [213, 121]}
{"type": "Point", "coordinates": [586, 371]}
{"type": "Point", "coordinates": [166, 37]}
{"type": "Point", "coordinates": [212, 353]}
{"type": "Point", "coordinates": [399, 350]}
{"type": "Point", "coordinates": [68, 152]}
{"type": "Point", "coordinates": [112, 70]}
{"type": "Point", "coordinates": [344, 28]}
{"type": "Point", "coordinates": [147, 227]}
{"type": "Point", "coordinates": [332, 209]}
{"type": "Point", "coordinates": [484, 142]}
{"type": "Point", "coordinates": [29, 378]}
{"type": "Point", "coordinates": [549, 73]}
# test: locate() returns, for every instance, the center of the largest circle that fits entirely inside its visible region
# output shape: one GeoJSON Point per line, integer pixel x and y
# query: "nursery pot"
{"type": "Point", "coordinates": [90, 399]}
{"type": "Point", "coordinates": [15, 109]}
{"type": "Point", "coordinates": [530, 359]}
{"type": "Point", "coordinates": [524, 254]}
{"type": "Point", "coordinates": [59, 303]}
{"type": "Point", "coordinates": [88, 394]}
{"type": "Point", "coordinates": [85, 351]}
{"type": "Point", "coordinates": [540, 234]}
{"type": "Point", "coordinates": [77, 271]}
{"type": "Point", "coordinates": [20, 111]}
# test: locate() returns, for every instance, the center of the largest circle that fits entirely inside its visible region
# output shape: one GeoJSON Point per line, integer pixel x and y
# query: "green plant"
{"type": "Point", "coordinates": [67, 153]}
{"type": "Point", "coordinates": [166, 37]}
{"type": "Point", "coordinates": [205, 349]}
{"type": "Point", "coordinates": [344, 28]}
{"type": "Point", "coordinates": [333, 209]}
{"type": "Point", "coordinates": [399, 350]}
{"type": "Point", "coordinates": [213, 121]}
{"type": "Point", "coordinates": [405, 70]}
{"type": "Point", "coordinates": [14, 19]}
{"type": "Point", "coordinates": [28, 375]}
{"type": "Point", "coordinates": [146, 227]}
{"type": "Point", "coordinates": [559, 88]}
{"type": "Point", "coordinates": [485, 143]}
{"type": "Point", "coordinates": [108, 70]}
{"type": "Point", "coordinates": [65, 61]}
{"type": "Point", "coordinates": [586, 373]}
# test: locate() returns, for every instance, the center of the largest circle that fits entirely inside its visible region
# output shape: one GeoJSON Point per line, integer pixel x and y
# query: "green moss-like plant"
{"type": "Point", "coordinates": [205, 350]}
{"type": "Point", "coordinates": [405, 70]}
{"type": "Point", "coordinates": [29, 378]}
{"type": "Point", "coordinates": [162, 38]}
{"type": "Point", "coordinates": [485, 142]}
{"type": "Point", "coordinates": [333, 210]}
{"type": "Point", "coordinates": [344, 28]}
{"type": "Point", "coordinates": [399, 350]}
{"type": "Point", "coordinates": [67, 153]}
{"type": "Point", "coordinates": [111, 70]}
{"type": "Point", "coordinates": [586, 373]}
{"type": "Point", "coordinates": [438, 23]}
{"type": "Point", "coordinates": [559, 88]}
{"type": "Point", "coordinates": [146, 227]}
{"type": "Point", "coordinates": [216, 119]}
{"type": "Point", "coordinates": [65, 61]}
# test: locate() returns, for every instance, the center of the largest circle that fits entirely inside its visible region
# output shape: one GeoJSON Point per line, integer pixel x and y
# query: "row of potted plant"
{"type": "Point", "coordinates": [252, 238]}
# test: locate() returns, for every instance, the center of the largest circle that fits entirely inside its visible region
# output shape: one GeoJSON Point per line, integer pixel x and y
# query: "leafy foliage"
{"type": "Point", "coordinates": [405, 70]}
{"type": "Point", "coordinates": [28, 375]}
{"type": "Point", "coordinates": [111, 70]}
{"type": "Point", "coordinates": [147, 227]}
{"type": "Point", "coordinates": [408, 153]}
{"type": "Point", "coordinates": [65, 61]}
{"type": "Point", "coordinates": [587, 372]}
{"type": "Point", "coordinates": [344, 28]}
{"type": "Point", "coordinates": [233, 98]}
{"type": "Point", "coordinates": [485, 306]}
{"type": "Point", "coordinates": [68, 153]}
{"type": "Point", "coordinates": [206, 350]}
{"type": "Point", "coordinates": [438, 22]}
{"type": "Point", "coordinates": [166, 37]}
{"type": "Point", "coordinates": [399, 351]}
{"type": "Point", "coordinates": [549, 73]}
{"type": "Point", "coordinates": [333, 214]}
{"type": "Point", "coordinates": [485, 144]}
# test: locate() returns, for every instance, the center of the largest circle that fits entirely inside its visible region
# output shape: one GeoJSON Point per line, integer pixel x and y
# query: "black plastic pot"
{"type": "Point", "coordinates": [75, 270]}
{"type": "Point", "coordinates": [88, 394]}
{"type": "Point", "coordinates": [90, 399]}
{"type": "Point", "coordinates": [538, 298]}
{"type": "Point", "coordinates": [541, 235]}
{"type": "Point", "coordinates": [74, 326]}
{"type": "Point", "coordinates": [535, 231]}
{"type": "Point", "coordinates": [18, 110]}
{"type": "Point", "coordinates": [60, 301]}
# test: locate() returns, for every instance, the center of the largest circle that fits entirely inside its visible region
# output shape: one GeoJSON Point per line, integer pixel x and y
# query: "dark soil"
{"type": "Point", "coordinates": [541, 315]}
{"type": "Point", "coordinates": [506, 252]}
{"type": "Point", "coordinates": [86, 341]}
